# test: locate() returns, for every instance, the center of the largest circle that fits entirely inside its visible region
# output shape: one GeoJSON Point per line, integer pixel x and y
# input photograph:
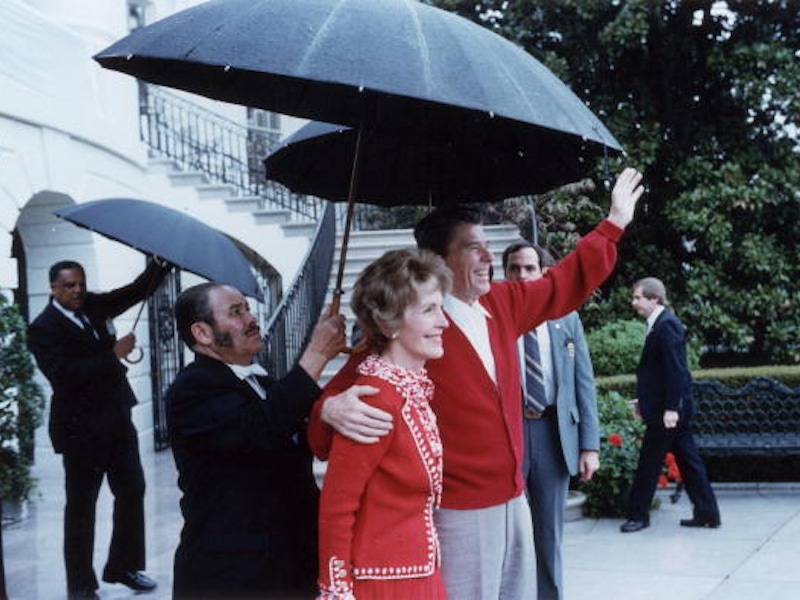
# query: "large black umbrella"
{"type": "Point", "coordinates": [173, 235]}
{"type": "Point", "coordinates": [396, 65]}
{"type": "Point", "coordinates": [383, 66]}
{"type": "Point", "coordinates": [400, 169]}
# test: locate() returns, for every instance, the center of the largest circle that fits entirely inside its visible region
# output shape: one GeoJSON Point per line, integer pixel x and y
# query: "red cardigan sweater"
{"type": "Point", "coordinates": [376, 509]}
{"type": "Point", "coordinates": [481, 422]}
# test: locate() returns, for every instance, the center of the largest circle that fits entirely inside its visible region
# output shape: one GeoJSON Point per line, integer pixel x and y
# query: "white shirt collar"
{"type": "Point", "coordinates": [471, 319]}
{"type": "Point", "coordinates": [248, 373]}
{"type": "Point", "coordinates": [67, 313]}
{"type": "Point", "coordinates": [653, 316]}
{"type": "Point", "coordinates": [244, 371]}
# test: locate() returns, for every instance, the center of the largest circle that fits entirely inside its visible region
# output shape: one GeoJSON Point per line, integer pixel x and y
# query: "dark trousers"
{"type": "Point", "coordinates": [657, 442]}
{"type": "Point", "coordinates": [85, 465]}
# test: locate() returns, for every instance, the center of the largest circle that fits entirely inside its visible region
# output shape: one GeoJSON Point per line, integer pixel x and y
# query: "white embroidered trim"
{"type": "Point", "coordinates": [340, 587]}
{"type": "Point", "coordinates": [417, 390]}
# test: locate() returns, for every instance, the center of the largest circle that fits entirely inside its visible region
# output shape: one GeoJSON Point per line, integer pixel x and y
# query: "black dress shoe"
{"type": "Point", "coordinates": [136, 580]}
{"type": "Point", "coordinates": [695, 522]}
{"type": "Point", "coordinates": [631, 526]}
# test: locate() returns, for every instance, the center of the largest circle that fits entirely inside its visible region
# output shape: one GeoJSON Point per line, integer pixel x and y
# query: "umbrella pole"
{"type": "Point", "coordinates": [351, 209]}
{"type": "Point", "coordinates": [149, 290]}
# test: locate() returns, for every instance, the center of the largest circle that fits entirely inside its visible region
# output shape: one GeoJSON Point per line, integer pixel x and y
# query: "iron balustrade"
{"type": "Point", "coordinates": [290, 328]}
{"type": "Point", "coordinates": [229, 153]}
{"type": "Point", "coordinates": [226, 151]}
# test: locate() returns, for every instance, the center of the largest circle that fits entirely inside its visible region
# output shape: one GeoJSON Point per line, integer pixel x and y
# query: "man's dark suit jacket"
{"type": "Point", "coordinates": [663, 381]}
{"type": "Point", "coordinates": [249, 498]}
{"type": "Point", "coordinates": [92, 398]}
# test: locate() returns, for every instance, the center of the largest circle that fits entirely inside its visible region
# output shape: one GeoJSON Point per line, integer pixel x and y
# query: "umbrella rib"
{"type": "Point", "coordinates": [320, 33]}
{"type": "Point", "coordinates": [428, 78]}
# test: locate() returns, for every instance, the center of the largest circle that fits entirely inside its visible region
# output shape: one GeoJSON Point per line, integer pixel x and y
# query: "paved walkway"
{"type": "Point", "coordinates": [754, 555]}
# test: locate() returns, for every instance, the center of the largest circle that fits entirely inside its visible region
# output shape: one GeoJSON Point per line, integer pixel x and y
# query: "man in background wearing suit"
{"type": "Point", "coordinates": [560, 431]}
{"type": "Point", "coordinates": [90, 425]}
{"type": "Point", "coordinates": [249, 497]}
{"type": "Point", "coordinates": [664, 403]}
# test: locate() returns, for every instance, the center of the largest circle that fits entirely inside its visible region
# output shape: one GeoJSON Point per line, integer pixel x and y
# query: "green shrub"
{"type": "Point", "coordinates": [616, 347]}
{"type": "Point", "coordinates": [21, 405]}
{"type": "Point", "coordinates": [620, 435]}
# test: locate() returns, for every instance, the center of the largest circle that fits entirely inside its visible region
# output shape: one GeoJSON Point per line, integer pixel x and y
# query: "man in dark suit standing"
{"type": "Point", "coordinates": [76, 348]}
{"type": "Point", "coordinates": [249, 498]}
{"type": "Point", "coordinates": [561, 429]}
{"type": "Point", "coordinates": [664, 403]}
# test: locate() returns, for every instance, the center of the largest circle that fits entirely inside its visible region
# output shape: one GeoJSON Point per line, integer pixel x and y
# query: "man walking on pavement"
{"type": "Point", "coordinates": [664, 403]}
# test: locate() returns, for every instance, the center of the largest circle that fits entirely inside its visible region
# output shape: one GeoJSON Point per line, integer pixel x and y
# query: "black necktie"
{"type": "Point", "coordinates": [87, 324]}
{"type": "Point", "coordinates": [535, 396]}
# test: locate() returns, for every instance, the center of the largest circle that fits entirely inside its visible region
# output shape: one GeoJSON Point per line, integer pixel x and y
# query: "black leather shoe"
{"type": "Point", "coordinates": [136, 580]}
{"type": "Point", "coordinates": [695, 522]}
{"type": "Point", "coordinates": [630, 526]}
{"type": "Point", "coordinates": [83, 595]}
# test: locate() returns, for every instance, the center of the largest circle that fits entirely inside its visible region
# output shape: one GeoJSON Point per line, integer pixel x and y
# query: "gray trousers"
{"type": "Point", "coordinates": [487, 553]}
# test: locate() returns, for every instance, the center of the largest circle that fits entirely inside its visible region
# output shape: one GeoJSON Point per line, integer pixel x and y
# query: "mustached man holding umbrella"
{"type": "Point", "coordinates": [249, 498]}
{"type": "Point", "coordinates": [90, 420]}
{"type": "Point", "coordinates": [484, 522]}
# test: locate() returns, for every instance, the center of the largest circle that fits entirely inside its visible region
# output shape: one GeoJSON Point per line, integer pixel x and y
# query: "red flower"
{"type": "Point", "coordinates": [673, 472]}
{"type": "Point", "coordinates": [663, 481]}
{"type": "Point", "coordinates": [615, 439]}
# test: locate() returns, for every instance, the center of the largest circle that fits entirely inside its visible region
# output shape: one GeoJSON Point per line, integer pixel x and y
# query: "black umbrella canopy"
{"type": "Point", "coordinates": [175, 236]}
{"type": "Point", "coordinates": [394, 66]}
{"type": "Point", "coordinates": [402, 170]}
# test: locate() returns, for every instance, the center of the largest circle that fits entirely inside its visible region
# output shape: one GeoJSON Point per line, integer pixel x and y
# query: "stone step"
{"type": "Point", "coordinates": [271, 217]}
{"type": "Point", "coordinates": [188, 178]}
{"type": "Point", "coordinates": [215, 191]}
{"type": "Point", "coordinates": [243, 203]}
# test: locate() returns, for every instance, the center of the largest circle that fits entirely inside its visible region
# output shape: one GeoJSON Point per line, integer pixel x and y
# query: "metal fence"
{"type": "Point", "coordinates": [226, 151]}
{"type": "Point", "coordinates": [288, 332]}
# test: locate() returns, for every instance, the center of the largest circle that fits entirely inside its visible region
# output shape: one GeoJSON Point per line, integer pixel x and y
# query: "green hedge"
{"type": "Point", "coordinates": [788, 375]}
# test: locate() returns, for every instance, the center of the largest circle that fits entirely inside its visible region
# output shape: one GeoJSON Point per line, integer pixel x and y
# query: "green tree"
{"type": "Point", "coordinates": [703, 95]}
{"type": "Point", "coordinates": [21, 405]}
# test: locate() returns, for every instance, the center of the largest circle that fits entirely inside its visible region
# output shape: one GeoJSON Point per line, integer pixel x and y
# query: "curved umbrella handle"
{"type": "Point", "coordinates": [138, 359]}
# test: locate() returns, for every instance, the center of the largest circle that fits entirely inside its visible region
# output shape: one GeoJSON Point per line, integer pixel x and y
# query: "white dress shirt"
{"type": "Point", "coordinates": [471, 320]}
{"type": "Point", "coordinates": [652, 318]}
{"type": "Point", "coordinates": [248, 373]}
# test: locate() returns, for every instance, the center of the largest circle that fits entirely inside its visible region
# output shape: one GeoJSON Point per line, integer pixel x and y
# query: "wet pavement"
{"type": "Point", "coordinates": [754, 555]}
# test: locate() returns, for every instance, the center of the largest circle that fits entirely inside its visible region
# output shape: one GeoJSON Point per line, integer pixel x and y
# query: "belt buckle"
{"type": "Point", "coordinates": [531, 414]}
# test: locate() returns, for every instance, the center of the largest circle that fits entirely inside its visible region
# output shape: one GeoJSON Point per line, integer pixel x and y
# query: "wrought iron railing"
{"type": "Point", "coordinates": [230, 153]}
{"type": "Point", "coordinates": [224, 150]}
{"type": "Point", "coordinates": [288, 332]}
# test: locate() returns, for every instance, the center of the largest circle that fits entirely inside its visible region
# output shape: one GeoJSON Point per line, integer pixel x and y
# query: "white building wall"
{"type": "Point", "coordinates": [69, 133]}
